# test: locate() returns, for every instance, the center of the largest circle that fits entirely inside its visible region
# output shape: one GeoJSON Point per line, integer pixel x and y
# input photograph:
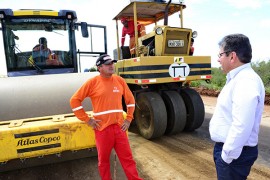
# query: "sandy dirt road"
{"type": "Point", "coordinates": [189, 155]}
{"type": "Point", "coordinates": [181, 156]}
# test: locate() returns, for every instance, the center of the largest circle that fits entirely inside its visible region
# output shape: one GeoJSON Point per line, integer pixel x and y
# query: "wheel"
{"type": "Point", "coordinates": [195, 109]}
{"type": "Point", "coordinates": [176, 112]}
{"type": "Point", "coordinates": [150, 115]}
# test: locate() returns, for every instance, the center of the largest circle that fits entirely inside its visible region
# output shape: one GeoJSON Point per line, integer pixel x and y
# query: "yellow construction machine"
{"type": "Point", "coordinates": [37, 125]}
{"type": "Point", "coordinates": [160, 72]}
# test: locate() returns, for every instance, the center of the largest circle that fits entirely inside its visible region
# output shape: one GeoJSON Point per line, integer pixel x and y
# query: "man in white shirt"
{"type": "Point", "coordinates": [236, 120]}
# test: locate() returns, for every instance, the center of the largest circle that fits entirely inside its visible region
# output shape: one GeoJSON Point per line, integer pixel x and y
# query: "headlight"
{"type": "Point", "coordinates": [159, 31]}
{"type": "Point", "coordinates": [194, 34]}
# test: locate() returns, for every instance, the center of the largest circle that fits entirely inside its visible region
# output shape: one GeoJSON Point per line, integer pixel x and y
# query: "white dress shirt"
{"type": "Point", "coordinates": [238, 112]}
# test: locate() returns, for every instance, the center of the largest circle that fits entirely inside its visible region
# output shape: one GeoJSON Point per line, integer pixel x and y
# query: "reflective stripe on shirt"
{"type": "Point", "coordinates": [131, 105]}
{"type": "Point", "coordinates": [77, 108]}
{"type": "Point", "coordinates": [107, 112]}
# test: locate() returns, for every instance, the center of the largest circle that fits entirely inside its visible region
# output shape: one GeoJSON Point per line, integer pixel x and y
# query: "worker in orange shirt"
{"type": "Point", "coordinates": [128, 29]}
{"type": "Point", "coordinates": [106, 91]}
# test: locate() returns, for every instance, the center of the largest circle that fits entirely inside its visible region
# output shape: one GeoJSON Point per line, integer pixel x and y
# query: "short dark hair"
{"type": "Point", "coordinates": [238, 43]}
{"type": "Point", "coordinates": [42, 40]}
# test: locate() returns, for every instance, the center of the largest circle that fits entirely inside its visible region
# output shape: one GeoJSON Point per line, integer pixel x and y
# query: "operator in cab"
{"type": "Point", "coordinates": [128, 29]}
{"type": "Point", "coordinates": [42, 55]}
{"type": "Point", "coordinates": [191, 50]}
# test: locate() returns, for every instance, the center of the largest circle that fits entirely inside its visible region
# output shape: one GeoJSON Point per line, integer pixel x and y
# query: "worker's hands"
{"type": "Point", "coordinates": [94, 123]}
{"type": "Point", "coordinates": [125, 125]}
{"type": "Point", "coordinates": [54, 62]}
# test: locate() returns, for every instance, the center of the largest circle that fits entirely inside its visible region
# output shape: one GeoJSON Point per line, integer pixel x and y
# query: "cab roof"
{"type": "Point", "coordinates": [148, 12]}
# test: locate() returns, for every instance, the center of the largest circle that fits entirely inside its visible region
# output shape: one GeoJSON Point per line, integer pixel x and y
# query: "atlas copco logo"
{"type": "Point", "coordinates": [42, 139]}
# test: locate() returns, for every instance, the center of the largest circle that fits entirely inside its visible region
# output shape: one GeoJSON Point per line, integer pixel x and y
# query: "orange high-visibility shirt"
{"type": "Point", "coordinates": [106, 96]}
{"type": "Point", "coordinates": [130, 30]}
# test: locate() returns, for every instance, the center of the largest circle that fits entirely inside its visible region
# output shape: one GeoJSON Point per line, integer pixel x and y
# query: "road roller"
{"type": "Point", "coordinates": [43, 54]}
{"type": "Point", "coordinates": [159, 67]}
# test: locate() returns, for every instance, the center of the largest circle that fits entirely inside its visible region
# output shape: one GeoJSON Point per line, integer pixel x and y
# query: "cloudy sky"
{"type": "Point", "coordinates": [212, 19]}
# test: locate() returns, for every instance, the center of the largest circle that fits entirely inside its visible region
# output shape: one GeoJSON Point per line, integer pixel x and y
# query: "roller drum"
{"type": "Point", "coordinates": [43, 95]}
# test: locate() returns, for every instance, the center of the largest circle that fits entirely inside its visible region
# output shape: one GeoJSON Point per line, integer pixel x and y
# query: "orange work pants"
{"type": "Point", "coordinates": [107, 139]}
{"type": "Point", "coordinates": [132, 40]}
{"type": "Point", "coordinates": [132, 45]}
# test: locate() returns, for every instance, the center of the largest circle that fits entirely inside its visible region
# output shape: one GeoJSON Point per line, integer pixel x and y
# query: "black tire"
{"type": "Point", "coordinates": [195, 108]}
{"type": "Point", "coordinates": [150, 115]}
{"type": "Point", "coordinates": [176, 112]}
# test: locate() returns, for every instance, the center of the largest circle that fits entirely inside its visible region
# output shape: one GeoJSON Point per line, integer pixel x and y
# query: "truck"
{"type": "Point", "coordinates": [161, 72]}
{"type": "Point", "coordinates": [37, 125]}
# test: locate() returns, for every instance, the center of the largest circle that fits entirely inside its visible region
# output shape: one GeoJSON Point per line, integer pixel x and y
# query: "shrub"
{"type": "Point", "coordinates": [219, 78]}
{"type": "Point", "coordinates": [93, 69]}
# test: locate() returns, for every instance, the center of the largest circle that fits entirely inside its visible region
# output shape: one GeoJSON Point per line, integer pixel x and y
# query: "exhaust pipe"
{"type": "Point", "coordinates": [166, 13]}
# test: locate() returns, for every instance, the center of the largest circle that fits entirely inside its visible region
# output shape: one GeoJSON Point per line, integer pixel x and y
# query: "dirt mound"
{"type": "Point", "coordinates": [267, 99]}
{"type": "Point", "coordinates": [215, 93]}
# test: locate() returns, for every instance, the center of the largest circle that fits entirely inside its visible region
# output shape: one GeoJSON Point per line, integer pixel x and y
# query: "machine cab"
{"type": "Point", "coordinates": [39, 42]}
{"type": "Point", "coordinates": [163, 40]}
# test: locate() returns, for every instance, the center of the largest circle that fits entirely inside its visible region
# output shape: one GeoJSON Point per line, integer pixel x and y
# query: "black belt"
{"type": "Point", "coordinates": [244, 148]}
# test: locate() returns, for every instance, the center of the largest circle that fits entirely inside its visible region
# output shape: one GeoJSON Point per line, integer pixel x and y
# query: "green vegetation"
{"type": "Point", "coordinates": [93, 69]}
{"type": "Point", "coordinates": [263, 69]}
{"type": "Point", "coordinates": [219, 79]}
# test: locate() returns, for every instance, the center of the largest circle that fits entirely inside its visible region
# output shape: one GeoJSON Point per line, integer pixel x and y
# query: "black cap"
{"type": "Point", "coordinates": [104, 59]}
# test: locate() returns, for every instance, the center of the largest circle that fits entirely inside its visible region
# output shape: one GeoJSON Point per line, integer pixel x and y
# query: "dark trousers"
{"type": "Point", "coordinates": [239, 168]}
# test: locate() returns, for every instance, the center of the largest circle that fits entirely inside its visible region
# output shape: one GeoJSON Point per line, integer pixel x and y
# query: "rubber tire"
{"type": "Point", "coordinates": [195, 109]}
{"type": "Point", "coordinates": [176, 112]}
{"type": "Point", "coordinates": [150, 115]}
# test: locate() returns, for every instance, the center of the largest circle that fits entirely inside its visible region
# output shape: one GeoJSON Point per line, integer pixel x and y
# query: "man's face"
{"type": "Point", "coordinates": [125, 23]}
{"type": "Point", "coordinates": [106, 70]}
{"type": "Point", "coordinates": [224, 60]}
{"type": "Point", "coordinates": [45, 43]}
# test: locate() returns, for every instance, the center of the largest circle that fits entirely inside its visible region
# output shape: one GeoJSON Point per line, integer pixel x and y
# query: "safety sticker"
{"type": "Point", "coordinates": [179, 70]}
